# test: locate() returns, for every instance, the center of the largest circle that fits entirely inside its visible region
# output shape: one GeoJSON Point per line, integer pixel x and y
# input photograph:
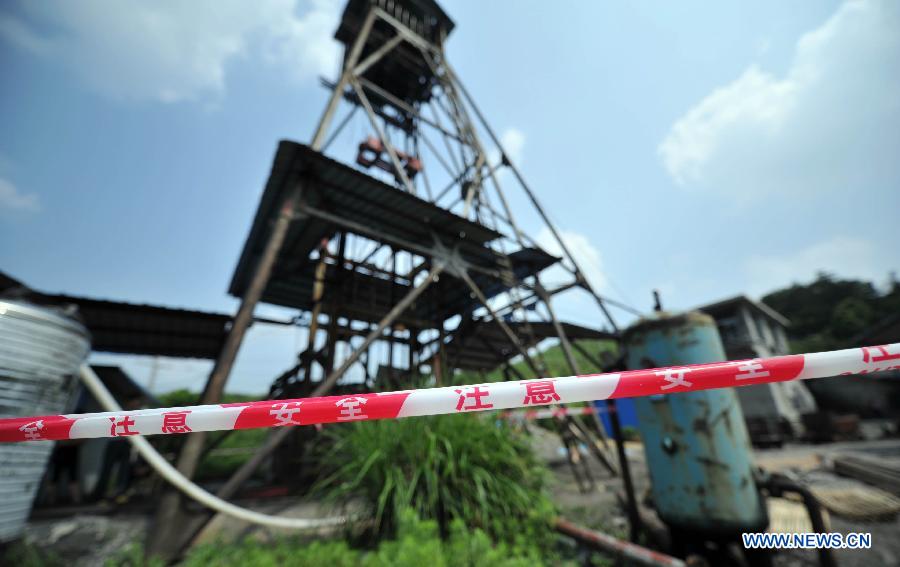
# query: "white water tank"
{"type": "Point", "coordinates": [40, 352]}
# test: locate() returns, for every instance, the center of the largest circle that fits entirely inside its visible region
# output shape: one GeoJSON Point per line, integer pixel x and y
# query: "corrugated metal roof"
{"type": "Point", "coordinates": [130, 328]}
{"type": "Point", "coordinates": [148, 329]}
{"type": "Point", "coordinates": [356, 295]}
{"type": "Point", "coordinates": [359, 198]}
{"type": "Point", "coordinates": [365, 297]}
{"type": "Point", "coordinates": [427, 12]}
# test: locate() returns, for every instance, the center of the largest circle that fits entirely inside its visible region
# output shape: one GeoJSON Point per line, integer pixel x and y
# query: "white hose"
{"type": "Point", "coordinates": [182, 483]}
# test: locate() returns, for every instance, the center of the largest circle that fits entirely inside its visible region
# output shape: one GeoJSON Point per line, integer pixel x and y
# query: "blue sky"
{"type": "Point", "coordinates": [705, 149]}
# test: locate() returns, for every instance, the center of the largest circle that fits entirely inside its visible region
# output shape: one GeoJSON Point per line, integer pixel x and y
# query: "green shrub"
{"type": "Point", "coordinates": [250, 553]}
{"type": "Point", "coordinates": [23, 553]}
{"type": "Point", "coordinates": [418, 543]}
{"type": "Point", "coordinates": [222, 464]}
{"type": "Point", "coordinates": [184, 397]}
{"type": "Point", "coordinates": [133, 556]}
{"type": "Point", "coordinates": [444, 468]}
{"type": "Point", "coordinates": [630, 433]}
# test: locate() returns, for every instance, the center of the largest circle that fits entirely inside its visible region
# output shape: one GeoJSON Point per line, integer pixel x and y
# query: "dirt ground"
{"type": "Point", "coordinates": [810, 464]}
{"type": "Point", "coordinates": [88, 538]}
{"type": "Point", "coordinates": [85, 540]}
{"type": "Point", "coordinates": [600, 508]}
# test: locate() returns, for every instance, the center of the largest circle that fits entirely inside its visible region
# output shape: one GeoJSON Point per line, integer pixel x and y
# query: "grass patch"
{"type": "Point", "coordinates": [221, 463]}
{"type": "Point", "coordinates": [228, 455]}
{"type": "Point", "coordinates": [444, 468]}
{"type": "Point", "coordinates": [27, 554]}
{"type": "Point", "coordinates": [184, 397]}
{"type": "Point", "coordinates": [417, 543]}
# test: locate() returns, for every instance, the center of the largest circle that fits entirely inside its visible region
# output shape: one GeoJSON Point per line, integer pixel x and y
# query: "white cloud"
{"type": "Point", "coordinates": [12, 198]}
{"type": "Point", "coordinates": [513, 142]}
{"type": "Point", "coordinates": [587, 256]}
{"type": "Point", "coordinates": [845, 256]}
{"type": "Point", "coordinates": [831, 122]}
{"type": "Point", "coordinates": [172, 51]}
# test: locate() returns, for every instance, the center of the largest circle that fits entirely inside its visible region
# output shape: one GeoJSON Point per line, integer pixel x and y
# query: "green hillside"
{"type": "Point", "coordinates": [555, 361]}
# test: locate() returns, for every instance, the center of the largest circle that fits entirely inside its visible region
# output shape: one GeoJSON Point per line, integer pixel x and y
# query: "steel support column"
{"type": "Point", "coordinates": [570, 359]}
{"type": "Point", "coordinates": [503, 326]}
{"type": "Point", "coordinates": [337, 93]}
{"type": "Point", "coordinates": [279, 435]}
{"type": "Point", "coordinates": [531, 197]}
{"type": "Point", "coordinates": [168, 522]}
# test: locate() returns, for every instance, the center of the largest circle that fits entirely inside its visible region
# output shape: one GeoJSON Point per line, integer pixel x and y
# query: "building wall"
{"type": "Point", "coordinates": [748, 333]}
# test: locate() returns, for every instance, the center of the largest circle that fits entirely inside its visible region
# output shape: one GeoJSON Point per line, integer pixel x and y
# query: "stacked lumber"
{"type": "Point", "coordinates": [883, 472]}
{"type": "Point", "coordinates": [858, 503]}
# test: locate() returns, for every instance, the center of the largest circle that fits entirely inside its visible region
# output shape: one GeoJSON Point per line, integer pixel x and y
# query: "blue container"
{"type": "Point", "coordinates": [627, 414]}
{"type": "Point", "coordinates": [696, 444]}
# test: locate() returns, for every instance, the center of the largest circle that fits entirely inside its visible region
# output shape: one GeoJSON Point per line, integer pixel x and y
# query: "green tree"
{"type": "Point", "coordinates": [850, 317]}
{"type": "Point", "coordinates": [830, 312]}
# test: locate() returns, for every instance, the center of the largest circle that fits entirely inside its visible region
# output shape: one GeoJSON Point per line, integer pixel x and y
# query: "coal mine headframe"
{"type": "Point", "coordinates": [403, 256]}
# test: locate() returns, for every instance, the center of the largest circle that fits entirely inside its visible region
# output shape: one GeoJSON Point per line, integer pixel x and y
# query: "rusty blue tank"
{"type": "Point", "coordinates": [697, 447]}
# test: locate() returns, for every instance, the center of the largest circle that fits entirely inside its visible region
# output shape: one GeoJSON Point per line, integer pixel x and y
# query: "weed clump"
{"type": "Point", "coordinates": [444, 468]}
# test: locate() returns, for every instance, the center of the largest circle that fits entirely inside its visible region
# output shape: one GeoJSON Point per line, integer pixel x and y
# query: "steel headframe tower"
{"type": "Point", "coordinates": [417, 246]}
{"type": "Point", "coordinates": [426, 142]}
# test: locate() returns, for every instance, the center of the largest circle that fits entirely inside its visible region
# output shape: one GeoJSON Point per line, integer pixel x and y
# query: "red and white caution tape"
{"type": "Point", "coordinates": [458, 399]}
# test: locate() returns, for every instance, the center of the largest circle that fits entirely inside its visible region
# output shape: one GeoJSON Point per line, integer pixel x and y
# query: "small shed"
{"type": "Point", "coordinates": [752, 329]}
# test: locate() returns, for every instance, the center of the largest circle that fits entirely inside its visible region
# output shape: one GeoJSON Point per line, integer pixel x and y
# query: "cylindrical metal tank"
{"type": "Point", "coordinates": [696, 443]}
{"type": "Point", "coordinates": [40, 352]}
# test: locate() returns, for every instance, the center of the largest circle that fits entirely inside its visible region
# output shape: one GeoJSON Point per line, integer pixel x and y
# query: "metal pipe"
{"type": "Point", "coordinates": [635, 525]}
{"type": "Point", "coordinates": [778, 484]}
{"type": "Point", "coordinates": [95, 386]}
{"type": "Point", "coordinates": [617, 547]}
{"type": "Point", "coordinates": [166, 522]}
